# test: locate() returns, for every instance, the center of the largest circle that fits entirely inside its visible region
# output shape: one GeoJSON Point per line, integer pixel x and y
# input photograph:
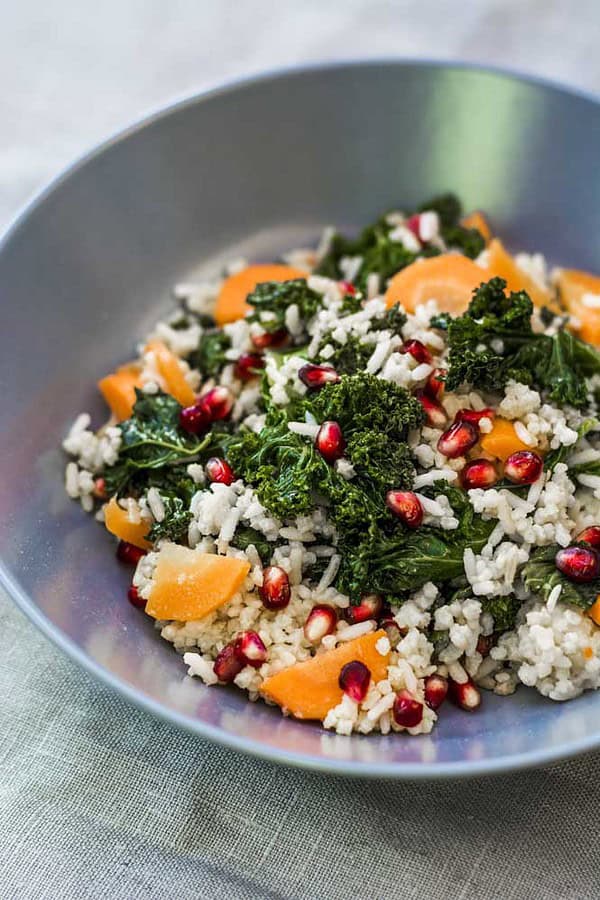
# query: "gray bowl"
{"type": "Point", "coordinates": [255, 168]}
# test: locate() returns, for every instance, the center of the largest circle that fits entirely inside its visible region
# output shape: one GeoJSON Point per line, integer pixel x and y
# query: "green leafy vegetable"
{"type": "Point", "coordinates": [271, 300]}
{"type": "Point", "coordinates": [245, 536]}
{"type": "Point", "coordinates": [561, 453]}
{"type": "Point", "coordinates": [176, 490]}
{"type": "Point", "coordinates": [209, 357]}
{"type": "Point", "coordinates": [541, 576]}
{"type": "Point", "coordinates": [503, 610]}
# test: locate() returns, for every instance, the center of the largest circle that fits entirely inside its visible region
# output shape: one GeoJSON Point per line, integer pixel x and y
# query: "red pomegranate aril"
{"type": "Point", "coordinates": [194, 419]}
{"type": "Point", "coordinates": [523, 467]}
{"type": "Point", "coordinates": [321, 620]}
{"type": "Point", "coordinates": [133, 595]}
{"type": "Point", "coordinates": [417, 350]}
{"type": "Point", "coordinates": [590, 535]}
{"type": "Point", "coordinates": [129, 553]}
{"type": "Point", "coordinates": [330, 441]}
{"type": "Point", "coordinates": [216, 403]}
{"type": "Point", "coordinates": [435, 690]}
{"type": "Point", "coordinates": [370, 606]}
{"type": "Point", "coordinates": [275, 589]}
{"type": "Point", "coordinates": [248, 365]}
{"type": "Point", "coordinates": [479, 473]}
{"type": "Point", "coordinates": [227, 664]}
{"type": "Point", "coordinates": [347, 287]}
{"type": "Point", "coordinates": [270, 339]}
{"type": "Point", "coordinates": [435, 413]}
{"type": "Point", "coordinates": [391, 628]}
{"type": "Point", "coordinates": [458, 440]}
{"type": "Point", "coordinates": [250, 649]}
{"type": "Point", "coordinates": [467, 695]}
{"type": "Point", "coordinates": [581, 564]}
{"type": "Point", "coordinates": [99, 490]}
{"type": "Point", "coordinates": [314, 376]}
{"type": "Point", "coordinates": [474, 415]}
{"type": "Point", "coordinates": [354, 680]}
{"type": "Point", "coordinates": [219, 471]}
{"type": "Point", "coordinates": [407, 711]}
{"type": "Point", "coordinates": [436, 383]}
{"type": "Point", "coordinates": [413, 223]}
{"type": "Point", "coordinates": [406, 506]}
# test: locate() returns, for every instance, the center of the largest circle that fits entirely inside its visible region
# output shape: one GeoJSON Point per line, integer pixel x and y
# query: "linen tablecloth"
{"type": "Point", "coordinates": [98, 799]}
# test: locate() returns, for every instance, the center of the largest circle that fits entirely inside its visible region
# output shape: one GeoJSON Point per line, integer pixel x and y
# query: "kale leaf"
{"type": "Point", "coordinates": [176, 490]}
{"type": "Point", "coordinates": [209, 357]}
{"type": "Point", "coordinates": [352, 356]}
{"type": "Point", "coordinates": [271, 300]}
{"type": "Point", "coordinates": [245, 536]}
{"type": "Point", "coordinates": [385, 464]}
{"type": "Point", "coordinates": [541, 576]}
{"type": "Point", "coordinates": [503, 610]}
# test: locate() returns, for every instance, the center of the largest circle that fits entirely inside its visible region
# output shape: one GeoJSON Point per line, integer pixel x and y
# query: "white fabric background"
{"type": "Point", "coordinates": [98, 800]}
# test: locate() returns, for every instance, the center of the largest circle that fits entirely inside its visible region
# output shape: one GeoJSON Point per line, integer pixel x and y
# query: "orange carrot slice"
{"type": "Point", "coordinates": [449, 278]}
{"type": "Point", "coordinates": [594, 611]}
{"type": "Point", "coordinates": [572, 285]}
{"type": "Point", "coordinates": [118, 523]}
{"type": "Point", "coordinates": [118, 390]}
{"type": "Point", "coordinates": [502, 264]}
{"type": "Point", "coordinates": [189, 585]}
{"type": "Point", "coordinates": [477, 220]}
{"type": "Point", "coordinates": [502, 440]}
{"type": "Point", "coordinates": [170, 369]}
{"type": "Point", "coordinates": [231, 302]}
{"type": "Point", "coordinates": [309, 689]}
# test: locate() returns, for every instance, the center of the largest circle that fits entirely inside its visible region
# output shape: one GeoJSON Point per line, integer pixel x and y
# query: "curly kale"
{"type": "Point", "coordinates": [209, 356]}
{"type": "Point", "coordinates": [352, 356]}
{"type": "Point", "coordinates": [245, 536]}
{"type": "Point", "coordinates": [272, 299]}
{"type": "Point", "coordinates": [503, 610]}
{"type": "Point", "coordinates": [176, 490]}
{"type": "Point", "coordinates": [384, 464]}
{"type": "Point", "coordinates": [541, 576]}
{"type": "Point", "coordinates": [493, 342]}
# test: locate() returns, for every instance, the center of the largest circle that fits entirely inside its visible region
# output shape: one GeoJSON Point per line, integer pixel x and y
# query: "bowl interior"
{"type": "Point", "coordinates": [255, 169]}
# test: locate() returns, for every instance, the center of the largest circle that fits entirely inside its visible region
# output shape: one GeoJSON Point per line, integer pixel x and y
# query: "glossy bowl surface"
{"type": "Point", "coordinates": [252, 169]}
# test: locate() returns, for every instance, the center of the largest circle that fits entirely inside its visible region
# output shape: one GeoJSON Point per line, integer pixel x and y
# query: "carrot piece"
{"type": "Point", "coordinates": [502, 440]}
{"type": "Point", "coordinates": [231, 302]}
{"type": "Point", "coordinates": [572, 286]}
{"type": "Point", "coordinates": [449, 278]}
{"type": "Point", "coordinates": [587, 652]}
{"type": "Point", "coordinates": [169, 368]}
{"type": "Point", "coordinates": [118, 390]}
{"type": "Point", "coordinates": [117, 522]}
{"type": "Point", "coordinates": [309, 689]}
{"type": "Point", "coordinates": [594, 610]}
{"type": "Point", "coordinates": [477, 220]}
{"type": "Point", "coordinates": [189, 585]}
{"type": "Point", "coordinates": [502, 264]}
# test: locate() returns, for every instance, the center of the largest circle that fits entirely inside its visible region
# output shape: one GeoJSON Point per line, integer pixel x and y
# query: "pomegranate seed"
{"type": "Point", "coordinates": [317, 376]}
{"type": "Point", "coordinates": [216, 403]}
{"type": "Point", "coordinates": [194, 419]}
{"type": "Point", "coordinates": [249, 649]}
{"type": "Point", "coordinates": [247, 365]}
{"type": "Point", "coordinates": [414, 223]}
{"type": "Point", "coordinates": [129, 553]}
{"type": "Point", "coordinates": [523, 467]}
{"type": "Point", "coordinates": [459, 438]}
{"type": "Point", "coordinates": [417, 350]}
{"type": "Point", "coordinates": [466, 695]}
{"type": "Point", "coordinates": [436, 383]}
{"type": "Point", "coordinates": [391, 628]}
{"type": "Point", "coordinates": [406, 506]}
{"type": "Point", "coordinates": [227, 664]}
{"type": "Point", "coordinates": [347, 287]}
{"type": "Point", "coordinates": [474, 415]}
{"type": "Point", "coordinates": [407, 711]}
{"type": "Point", "coordinates": [590, 536]}
{"type": "Point", "coordinates": [275, 589]}
{"type": "Point", "coordinates": [270, 339]}
{"type": "Point", "coordinates": [436, 416]}
{"type": "Point", "coordinates": [134, 598]}
{"type": "Point", "coordinates": [436, 689]}
{"type": "Point", "coordinates": [99, 490]}
{"type": "Point", "coordinates": [321, 620]}
{"type": "Point", "coordinates": [578, 563]}
{"type": "Point", "coordinates": [479, 473]}
{"type": "Point", "coordinates": [330, 441]}
{"type": "Point", "coordinates": [370, 606]}
{"type": "Point", "coordinates": [485, 642]}
{"type": "Point", "coordinates": [354, 680]}
{"type": "Point", "coordinates": [218, 470]}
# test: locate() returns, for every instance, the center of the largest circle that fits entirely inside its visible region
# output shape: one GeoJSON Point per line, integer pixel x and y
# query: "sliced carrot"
{"type": "Point", "coordinates": [189, 585]}
{"type": "Point", "coordinates": [502, 264]}
{"type": "Point", "coordinates": [118, 523]}
{"type": "Point", "coordinates": [572, 285]}
{"type": "Point", "coordinates": [502, 440]}
{"type": "Point", "coordinates": [170, 369]}
{"type": "Point", "coordinates": [588, 652]}
{"type": "Point", "coordinates": [594, 610]}
{"type": "Point", "coordinates": [231, 302]}
{"type": "Point", "coordinates": [449, 278]}
{"type": "Point", "coordinates": [309, 689]}
{"type": "Point", "coordinates": [118, 390]}
{"type": "Point", "coordinates": [477, 220]}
